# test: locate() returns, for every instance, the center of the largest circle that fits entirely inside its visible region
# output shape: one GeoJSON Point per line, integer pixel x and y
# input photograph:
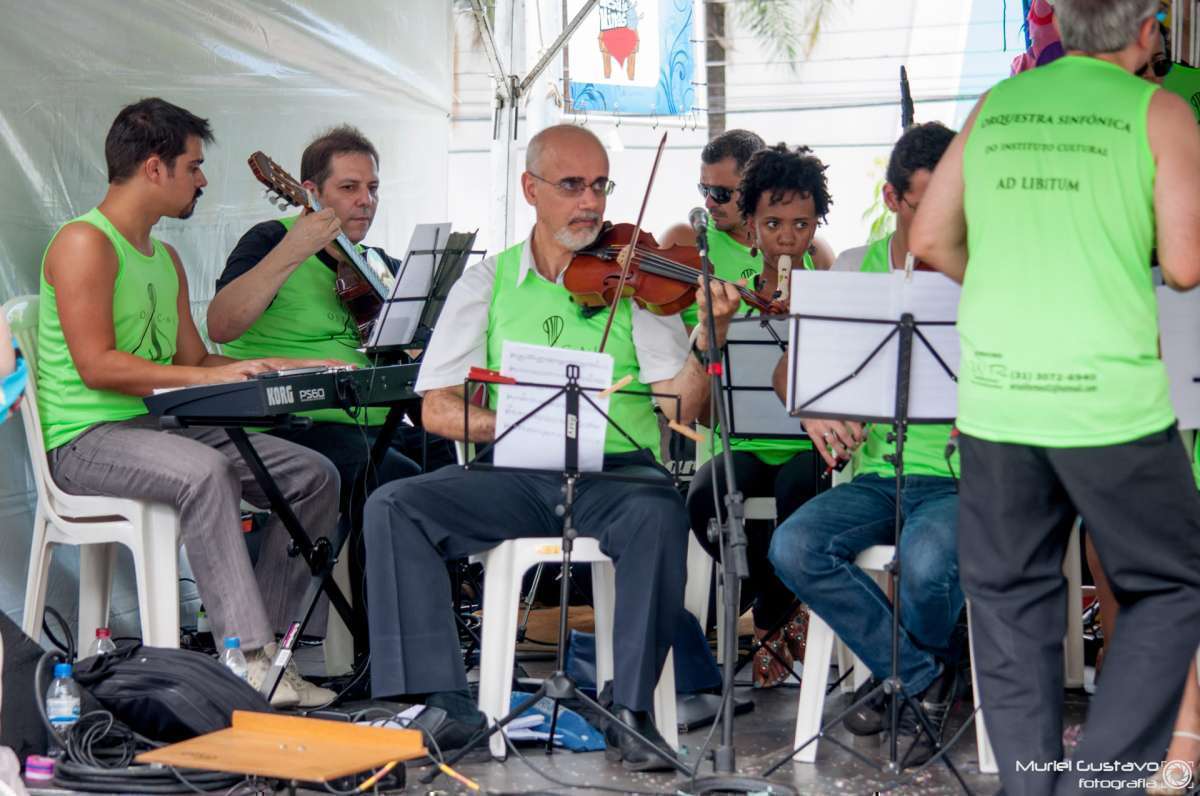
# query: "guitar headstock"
{"type": "Point", "coordinates": [278, 181]}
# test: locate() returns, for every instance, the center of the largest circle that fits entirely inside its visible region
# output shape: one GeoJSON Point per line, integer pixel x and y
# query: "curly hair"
{"type": "Point", "coordinates": [921, 147]}
{"type": "Point", "coordinates": [781, 171]}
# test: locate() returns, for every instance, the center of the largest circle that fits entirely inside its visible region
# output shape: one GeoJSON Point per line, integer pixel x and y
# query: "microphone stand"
{"type": "Point", "coordinates": [734, 569]}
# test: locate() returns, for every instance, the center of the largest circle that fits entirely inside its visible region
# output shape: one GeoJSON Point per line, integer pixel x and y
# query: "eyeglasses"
{"type": "Point", "coordinates": [911, 206]}
{"type": "Point", "coordinates": [575, 186]}
{"type": "Point", "coordinates": [719, 194]}
{"type": "Point", "coordinates": [1160, 65]}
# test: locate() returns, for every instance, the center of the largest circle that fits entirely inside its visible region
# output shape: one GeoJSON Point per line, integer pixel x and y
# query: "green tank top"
{"type": "Point", "coordinates": [731, 261]}
{"type": "Point", "coordinates": [1185, 81]}
{"type": "Point", "coordinates": [307, 320]}
{"type": "Point", "coordinates": [541, 313]}
{"type": "Point", "coordinates": [1058, 320]}
{"type": "Point", "coordinates": [145, 324]}
{"type": "Point", "coordinates": [925, 445]}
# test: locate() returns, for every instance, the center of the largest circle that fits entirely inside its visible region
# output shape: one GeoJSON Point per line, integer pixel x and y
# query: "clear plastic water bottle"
{"type": "Point", "coordinates": [233, 658]}
{"type": "Point", "coordinates": [103, 644]}
{"type": "Point", "coordinates": [62, 699]}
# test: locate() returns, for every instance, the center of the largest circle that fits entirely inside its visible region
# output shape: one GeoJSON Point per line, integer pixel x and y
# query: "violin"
{"type": "Point", "coordinates": [662, 281]}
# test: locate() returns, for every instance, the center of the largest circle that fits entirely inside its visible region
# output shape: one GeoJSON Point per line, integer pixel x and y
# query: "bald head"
{"type": "Point", "coordinates": [560, 141]}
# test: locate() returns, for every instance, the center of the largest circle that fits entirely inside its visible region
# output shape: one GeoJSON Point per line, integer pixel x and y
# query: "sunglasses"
{"type": "Point", "coordinates": [575, 186]}
{"type": "Point", "coordinates": [719, 194]}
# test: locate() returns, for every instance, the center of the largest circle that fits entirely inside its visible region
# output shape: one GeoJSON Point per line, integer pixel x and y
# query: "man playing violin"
{"type": "Point", "coordinates": [412, 525]}
{"type": "Point", "coordinates": [731, 244]}
{"type": "Point", "coordinates": [114, 325]}
{"type": "Point", "coordinates": [277, 295]}
{"type": "Point", "coordinates": [813, 551]}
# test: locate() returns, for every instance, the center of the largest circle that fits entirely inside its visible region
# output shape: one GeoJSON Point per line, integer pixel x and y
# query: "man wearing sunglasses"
{"type": "Point", "coordinates": [413, 524]}
{"type": "Point", "coordinates": [731, 247]}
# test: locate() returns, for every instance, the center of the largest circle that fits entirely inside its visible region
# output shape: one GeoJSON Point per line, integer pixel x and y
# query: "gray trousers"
{"type": "Point", "coordinates": [199, 471]}
{"type": "Point", "coordinates": [413, 526]}
{"type": "Point", "coordinates": [1017, 504]}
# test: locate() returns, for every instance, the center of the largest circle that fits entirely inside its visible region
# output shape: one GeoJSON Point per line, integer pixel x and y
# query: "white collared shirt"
{"type": "Point", "coordinates": [460, 340]}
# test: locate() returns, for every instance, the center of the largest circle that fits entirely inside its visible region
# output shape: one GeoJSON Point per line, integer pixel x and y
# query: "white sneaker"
{"type": "Point", "coordinates": [258, 663]}
{"type": "Point", "coordinates": [308, 694]}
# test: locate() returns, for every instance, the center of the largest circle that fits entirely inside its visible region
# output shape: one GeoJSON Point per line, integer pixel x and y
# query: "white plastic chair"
{"type": "Point", "coordinates": [504, 567]}
{"type": "Point", "coordinates": [95, 525]}
{"type": "Point", "coordinates": [821, 639]}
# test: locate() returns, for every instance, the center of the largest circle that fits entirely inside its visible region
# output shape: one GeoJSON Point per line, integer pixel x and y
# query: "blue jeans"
{"type": "Point", "coordinates": [813, 552]}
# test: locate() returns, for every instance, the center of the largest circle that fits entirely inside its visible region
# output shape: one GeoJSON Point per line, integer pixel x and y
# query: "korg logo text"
{"type": "Point", "coordinates": [280, 395]}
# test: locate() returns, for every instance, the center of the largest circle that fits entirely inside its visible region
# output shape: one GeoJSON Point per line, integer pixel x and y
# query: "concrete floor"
{"type": "Point", "coordinates": [761, 738]}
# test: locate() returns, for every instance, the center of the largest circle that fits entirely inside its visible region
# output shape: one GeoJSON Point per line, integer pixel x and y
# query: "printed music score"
{"type": "Point", "coordinates": [539, 440]}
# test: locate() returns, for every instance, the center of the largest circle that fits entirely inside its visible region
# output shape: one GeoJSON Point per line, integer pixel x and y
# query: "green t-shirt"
{"type": "Point", "coordinates": [540, 312]}
{"type": "Point", "coordinates": [307, 320]}
{"type": "Point", "coordinates": [1058, 320]}
{"type": "Point", "coordinates": [145, 324]}
{"type": "Point", "coordinates": [925, 444]}
{"type": "Point", "coordinates": [1185, 81]}
{"type": "Point", "coordinates": [731, 261]}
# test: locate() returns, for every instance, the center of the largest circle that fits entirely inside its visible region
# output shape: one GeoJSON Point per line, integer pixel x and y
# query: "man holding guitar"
{"type": "Point", "coordinates": [278, 294]}
{"type": "Point", "coordinates": [114, 326]}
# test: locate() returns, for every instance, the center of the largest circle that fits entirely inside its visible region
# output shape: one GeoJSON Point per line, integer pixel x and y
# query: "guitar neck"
{"type": "Point", "coordinates": [356, 259]}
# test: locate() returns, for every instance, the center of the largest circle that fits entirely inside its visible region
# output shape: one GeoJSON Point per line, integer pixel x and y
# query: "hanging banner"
{"type": "Point", "coordinates": [632, 56]}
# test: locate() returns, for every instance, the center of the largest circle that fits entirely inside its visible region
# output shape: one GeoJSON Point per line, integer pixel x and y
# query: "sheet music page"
{"type": "Point", "coordinates": [540, 440]}
{"type": "Point", "coordinates": [398, 319]}
{"type": "Point", "coordinates": [825, 352]}
{"type": "Point", "coordinates": [930, 296]}
{"type": "Point", "coordinates": [751, 354]}
{"type": "Point", "coordinates": [829, 351]}
{"type": "Point", "coordinates": [1179, 335]}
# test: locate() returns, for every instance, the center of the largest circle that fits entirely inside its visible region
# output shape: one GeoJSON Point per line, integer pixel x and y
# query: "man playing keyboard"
{"type": "Point", "coordinates": [114, 326]}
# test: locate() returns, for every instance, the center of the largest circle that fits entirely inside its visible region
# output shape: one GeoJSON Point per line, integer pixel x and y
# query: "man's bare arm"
{"type": "Point", "coordinates": [1175, 142]}
{"type": "Point", "coordinates": [442, 414]}
{"type": "Point", "coordinates": [939, 231]}
{"type": "Point", "coordinates": [240, 303]}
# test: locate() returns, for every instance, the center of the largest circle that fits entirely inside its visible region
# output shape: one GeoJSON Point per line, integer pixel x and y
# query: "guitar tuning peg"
{"type": "Point", "coordinates": [282, 205]}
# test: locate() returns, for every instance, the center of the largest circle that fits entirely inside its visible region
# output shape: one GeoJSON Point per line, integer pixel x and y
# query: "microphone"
{"type": "Point", "coordinates": [698, 221]}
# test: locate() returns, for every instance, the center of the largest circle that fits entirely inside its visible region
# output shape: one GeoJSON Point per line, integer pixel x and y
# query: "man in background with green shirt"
{"type": "Point", "coordinates": [277, 297]}
{"type": "Point", "coordinates": [1060, 185]}
{"type": "Point", "coordinates": [814, 550]}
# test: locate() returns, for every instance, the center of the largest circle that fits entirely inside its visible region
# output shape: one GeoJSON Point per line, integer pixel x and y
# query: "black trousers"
{"type": "Point", "coordinates": [1017, 504]}
{"type": "Point", "coordinates": [349, 448]}
{"type": "Point", "coordinates": [791, 484]}
{"type": "Point", "coordinates": [414, 525]}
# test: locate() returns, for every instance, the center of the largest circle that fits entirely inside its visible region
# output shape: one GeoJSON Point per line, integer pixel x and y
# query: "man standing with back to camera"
{"type": "Point", "coordinates": [1062, 181]}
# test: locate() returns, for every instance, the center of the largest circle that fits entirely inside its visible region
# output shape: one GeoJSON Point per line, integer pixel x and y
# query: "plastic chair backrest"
{"type": "Point", "coordinates": [22, 314]}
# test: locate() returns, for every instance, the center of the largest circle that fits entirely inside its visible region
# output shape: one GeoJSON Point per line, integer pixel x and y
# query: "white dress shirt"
{"type": "Point", "coordinates": [460, 340]}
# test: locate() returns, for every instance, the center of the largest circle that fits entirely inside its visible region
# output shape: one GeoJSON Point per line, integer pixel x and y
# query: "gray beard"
{"type": "Point", "coordinates": [577, 241]}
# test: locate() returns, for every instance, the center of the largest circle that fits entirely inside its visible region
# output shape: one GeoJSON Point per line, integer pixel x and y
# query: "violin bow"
{"type": "Point", "coordinates": [637, 231]}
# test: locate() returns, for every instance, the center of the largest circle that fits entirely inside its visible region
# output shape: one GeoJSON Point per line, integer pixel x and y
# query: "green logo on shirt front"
{"type": "Point", "coordinates": [553, 327]}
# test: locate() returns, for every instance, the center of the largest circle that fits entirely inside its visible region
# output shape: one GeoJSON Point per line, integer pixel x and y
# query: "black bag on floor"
{"type": "Point", "coordinates": [21, 725]}
{"type": "Point", "coordinates": [167, 694]}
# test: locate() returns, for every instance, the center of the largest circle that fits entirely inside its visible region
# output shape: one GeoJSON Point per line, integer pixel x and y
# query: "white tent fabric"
{"type": "Point", "coordinates": [268, 74]}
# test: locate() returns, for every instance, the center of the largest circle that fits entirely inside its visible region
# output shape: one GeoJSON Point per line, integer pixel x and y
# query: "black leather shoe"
{"type": "Point", "coordinates": [936, 701]}
{"type": "Point", "coordinates": [870, 717]}
{"type": "Point", "coordinates": [633, 754]}
{"type": "Point", "coordinates": [449, 735]}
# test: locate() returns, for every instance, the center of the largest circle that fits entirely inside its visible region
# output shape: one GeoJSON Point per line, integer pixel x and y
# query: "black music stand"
{"type": "Point", "coordinates": [904, 330]}
{"type": "Point", "coordinates": [559, 685]}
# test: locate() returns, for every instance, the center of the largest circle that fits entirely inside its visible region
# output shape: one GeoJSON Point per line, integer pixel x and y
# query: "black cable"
{"type": "Point", "coordinates": [67, 648]}
{"type": "Point", "coordinates": [575, 785]}
{"type": "Point", "coordinates": [362, 671]}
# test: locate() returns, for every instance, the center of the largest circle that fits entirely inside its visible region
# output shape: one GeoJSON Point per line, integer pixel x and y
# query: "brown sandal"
{"type": "Point", "coordinates": [795, 633]}
{"type": "Point", "coordinates": [764, 662]}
